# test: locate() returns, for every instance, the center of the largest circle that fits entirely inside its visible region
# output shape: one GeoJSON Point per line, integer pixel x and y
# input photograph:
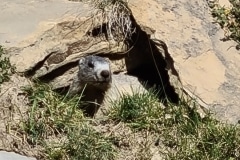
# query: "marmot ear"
{"type": "Point", "coordinates": [81, 60]}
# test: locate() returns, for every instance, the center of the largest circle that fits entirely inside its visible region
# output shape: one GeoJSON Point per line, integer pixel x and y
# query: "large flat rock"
{"type": "Point", "coordinates": [23, 20]}
{"type": "Point", "coordinates": [208, 67]}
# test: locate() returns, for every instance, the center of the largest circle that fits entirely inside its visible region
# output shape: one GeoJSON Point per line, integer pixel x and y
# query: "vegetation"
{"type": "Point", "coordinates": [228, 19]}
{"type": "Point", "coordinates": [56, 123]}
{"type": "Point", "coordinates": [182, 131]}
{"type": "Point", "coordinates": [177, 131]}
{"type": "Point", "coordinates": [140, 110]}
{"type": "Point", "coordinates": [6, 69]}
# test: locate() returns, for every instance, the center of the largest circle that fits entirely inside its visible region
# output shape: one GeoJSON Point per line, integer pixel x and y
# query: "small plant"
{"type": "Point", "coordinates": [6, 69]}
{"type": "Point", "coordinates": [228, 19]}
{"type": "Point", "coordinates": [139, 110]}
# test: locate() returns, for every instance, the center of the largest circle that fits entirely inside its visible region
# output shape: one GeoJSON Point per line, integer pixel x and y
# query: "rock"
{"type": "Point", "coordinates": [55, 53]}
{"type": "Point", "coordinates": [25, 20]}
{"type": "Point", "coordinates": [13, 156]}
{"type": "Point", "coordinates": [208, 68]}
{"type": "Point", "coordinates": [225, 3]}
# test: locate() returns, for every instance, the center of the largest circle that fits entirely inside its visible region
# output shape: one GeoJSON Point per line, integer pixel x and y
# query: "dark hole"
{"type": "Point", "coordinates": [146, 62]}
{"type": "Point", "coordinates": [98, 31]}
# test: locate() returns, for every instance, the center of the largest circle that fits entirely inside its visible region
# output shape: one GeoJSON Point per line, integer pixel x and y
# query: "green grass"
{"type": "Point", "coordinates": [177, 131]}
{"type": "Point", "coordinates": [180, 127]}
{"type": "Point", "coordinates": [140, 110]}
{"type": "Point", "coordinates": [91, 145]}
{"type": "Point", "coordinates": [50, 113]}
{"type": "Point", "coordinates": [82, 142]}
{"type": "Point", "coordinates": [57, 124]}
{"type": "Point", "coordinates": [228, 19]}
{"type": "Point", "coordinates": [6, 69]}
{"type": "Point", "coordinates": [192, 137]}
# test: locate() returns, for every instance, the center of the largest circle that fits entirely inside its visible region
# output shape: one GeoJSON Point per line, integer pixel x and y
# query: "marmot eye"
{"type": "Point", "coordinates": [90, 64]}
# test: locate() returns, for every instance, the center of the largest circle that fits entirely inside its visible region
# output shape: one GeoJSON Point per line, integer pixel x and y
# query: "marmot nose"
{"type": "Point", "coordinates": [105, 74]}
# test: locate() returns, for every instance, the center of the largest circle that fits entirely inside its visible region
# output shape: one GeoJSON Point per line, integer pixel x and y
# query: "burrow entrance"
{"type": "Point", "coordinates": [144, 60]}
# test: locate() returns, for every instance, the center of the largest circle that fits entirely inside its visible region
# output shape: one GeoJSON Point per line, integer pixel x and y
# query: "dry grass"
{"type": "Point", "coordinates": [117, 17]}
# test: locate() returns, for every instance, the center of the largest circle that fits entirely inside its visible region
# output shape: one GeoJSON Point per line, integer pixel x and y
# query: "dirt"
{"type": "Point", "coordinates": [14, 106]}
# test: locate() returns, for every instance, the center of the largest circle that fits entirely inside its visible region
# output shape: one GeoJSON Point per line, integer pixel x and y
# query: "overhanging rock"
{"type": "Point", "coordinates": [207, 67]}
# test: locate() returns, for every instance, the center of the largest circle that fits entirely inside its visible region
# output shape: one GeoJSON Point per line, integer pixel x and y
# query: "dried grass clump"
{"type": "Point", "coordinates": [117, 17]}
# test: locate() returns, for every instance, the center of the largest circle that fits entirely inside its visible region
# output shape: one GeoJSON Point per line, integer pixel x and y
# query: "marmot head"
{"type": "Point", "coordinates": [95, 71]}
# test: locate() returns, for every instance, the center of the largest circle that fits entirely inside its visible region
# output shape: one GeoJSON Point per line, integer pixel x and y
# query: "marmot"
{"type": "Point", "coordinates": [93, 79]}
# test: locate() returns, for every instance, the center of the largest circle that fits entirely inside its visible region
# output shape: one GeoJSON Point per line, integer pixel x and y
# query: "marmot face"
{"type": "Point", "coordinates": [95, 71]}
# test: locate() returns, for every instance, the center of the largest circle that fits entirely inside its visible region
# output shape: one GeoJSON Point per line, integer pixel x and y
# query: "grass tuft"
{"type": "Point", "coordinates": [50, 113]}
{"type": "Point", "coordinates": [180, 128]}
{"type": "Point", "coordinates": [82, 142]}
{"type": "Point", "coordinates": [139, 110]}
{"type": "Point", "coordinates": [192, 137]}
{"type": "Point", "coordinates": [56, 123]}
{"type": "Point", "coordinates": [117, 17]}
{"type": "Point", "coordinates": [6, 69]}
{"type": "Point", "coordinates": [90, 145]}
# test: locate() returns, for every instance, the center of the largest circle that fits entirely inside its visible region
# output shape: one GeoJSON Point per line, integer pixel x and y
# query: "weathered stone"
{"type": "Point", "coordinates": [55, 54]}
{"type": "Point", "coordinates": [13, 156]}
{"type": "Point", "coordinates": [208, 68]}
{"type": "Point", "coordinates": [22, 21]}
